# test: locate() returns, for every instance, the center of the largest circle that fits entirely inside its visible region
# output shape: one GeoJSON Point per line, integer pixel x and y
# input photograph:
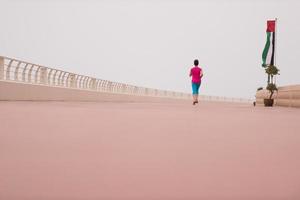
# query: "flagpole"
{"type": "Point", "coordinates": [276, 26]}
{"type": "Point", "coordinates": [276, 31]}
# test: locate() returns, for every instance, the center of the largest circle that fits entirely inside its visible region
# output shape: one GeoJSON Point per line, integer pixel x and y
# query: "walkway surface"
{"type": "Point", "coordinates": [148, 151]}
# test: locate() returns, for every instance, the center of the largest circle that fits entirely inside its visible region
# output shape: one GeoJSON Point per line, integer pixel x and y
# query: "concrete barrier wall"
{"type": "Point", "coordinates": [288, 96]}
{"type": "Point", "coordinates": [18, 91]}
{"type": "Point", "coordinates": [15, 91]}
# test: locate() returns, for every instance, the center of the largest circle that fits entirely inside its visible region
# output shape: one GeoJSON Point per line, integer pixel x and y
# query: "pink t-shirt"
{"type": "Point", "coordinates": [195, 73]}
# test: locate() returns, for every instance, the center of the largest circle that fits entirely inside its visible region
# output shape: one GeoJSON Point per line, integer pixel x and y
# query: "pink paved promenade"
{"type": "Point", "coordinates": [148, 151]}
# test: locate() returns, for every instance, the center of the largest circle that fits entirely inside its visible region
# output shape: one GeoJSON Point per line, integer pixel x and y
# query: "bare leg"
{"type": "Point", "coordinates": [196, 98]}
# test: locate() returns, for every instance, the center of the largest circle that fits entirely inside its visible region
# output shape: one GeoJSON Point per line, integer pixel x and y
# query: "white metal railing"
{"type": "Point", "coordinates": [20, 71]}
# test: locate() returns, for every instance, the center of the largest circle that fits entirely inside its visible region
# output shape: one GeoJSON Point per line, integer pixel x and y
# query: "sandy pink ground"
{"type": "Point", "coordinates": [148, 151]}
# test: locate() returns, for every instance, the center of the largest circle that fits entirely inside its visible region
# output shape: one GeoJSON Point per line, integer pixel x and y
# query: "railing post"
{"type": "Point", "coordinates": [93, 84]}
{"type": "Point", "coordinates": [43, 76]}
{"type": "Point", "coordinates": [73, 81]}
{"type": "Point", "coordinates": [1, 68]}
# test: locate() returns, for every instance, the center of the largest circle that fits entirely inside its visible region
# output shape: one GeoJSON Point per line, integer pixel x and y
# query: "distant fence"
{"type": "Point", "coordinates": [20, 71]}
{"type": "Point", "coordinates": [288, 96]}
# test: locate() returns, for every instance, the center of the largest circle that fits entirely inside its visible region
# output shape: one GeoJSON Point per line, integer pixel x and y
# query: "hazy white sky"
{"type": "Point", "coordinates": [153, 43]}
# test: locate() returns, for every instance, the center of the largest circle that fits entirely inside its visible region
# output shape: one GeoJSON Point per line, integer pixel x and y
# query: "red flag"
{"type": "Point", "coordinates": [271, 26]}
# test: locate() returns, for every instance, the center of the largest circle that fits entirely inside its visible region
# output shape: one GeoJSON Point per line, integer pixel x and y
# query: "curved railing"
{"type": "Point", "coordinates": [20, 71]}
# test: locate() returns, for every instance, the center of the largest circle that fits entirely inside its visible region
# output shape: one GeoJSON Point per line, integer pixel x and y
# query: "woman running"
{"type": "Point", "coordinates": [196, 73]}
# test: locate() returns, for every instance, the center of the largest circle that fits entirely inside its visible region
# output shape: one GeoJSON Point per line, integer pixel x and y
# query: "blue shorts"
{"type": "Point", "coordinates": [195, 88]}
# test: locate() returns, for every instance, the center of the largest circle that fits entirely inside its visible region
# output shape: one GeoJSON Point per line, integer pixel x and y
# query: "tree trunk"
{"type": "Point", "coordinates": [271, 78]}
{"type": "Point", "coordinates": [272, 92]}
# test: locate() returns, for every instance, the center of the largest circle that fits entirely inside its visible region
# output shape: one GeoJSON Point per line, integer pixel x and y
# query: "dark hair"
{"type": "Point", "coordinates": [196, 62]}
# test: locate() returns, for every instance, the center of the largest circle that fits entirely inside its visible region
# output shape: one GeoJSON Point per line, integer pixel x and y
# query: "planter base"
{"type": "Point", "coordinates": [268, 102]}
